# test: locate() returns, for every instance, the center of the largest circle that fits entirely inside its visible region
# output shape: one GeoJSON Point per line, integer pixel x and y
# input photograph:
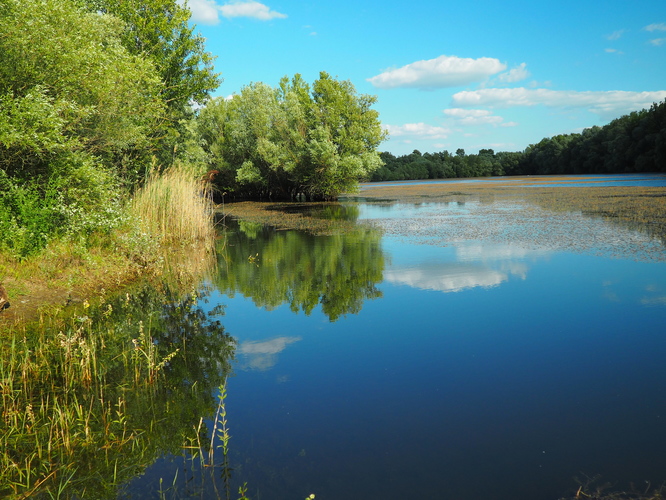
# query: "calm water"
{"type": "Point", "coordinates": [451, 351]}
{"type": "Point", "coordinates": [596, 180]}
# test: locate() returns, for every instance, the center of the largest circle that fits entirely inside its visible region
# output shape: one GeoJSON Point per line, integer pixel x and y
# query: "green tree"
{"type": "Point", "coordinates": [318, 140]}
{"type": "Point", "coordinates": [73, 102]}
{"type": "Point", "coordinates": [160, 32]}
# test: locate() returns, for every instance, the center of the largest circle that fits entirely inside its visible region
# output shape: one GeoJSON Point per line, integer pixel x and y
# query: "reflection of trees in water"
{"type": "Point", "coordinates": [92, 400]}
{"type": "Point", "coordinates": [275, 267]}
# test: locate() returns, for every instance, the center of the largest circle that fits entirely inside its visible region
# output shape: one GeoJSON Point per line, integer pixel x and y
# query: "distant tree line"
{"type": "Point", "coordinates": [632, 143]}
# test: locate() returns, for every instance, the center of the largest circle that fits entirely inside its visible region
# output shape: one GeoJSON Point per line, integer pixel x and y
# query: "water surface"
{"type": "Point", "coordinates": [443, 350]}
{"type": "Point", "coordinates": [477, 359]}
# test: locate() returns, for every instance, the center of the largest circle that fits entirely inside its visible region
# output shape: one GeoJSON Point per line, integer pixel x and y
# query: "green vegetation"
{"type": "Point", "coordinates": [96, 185]}
{"type": "Point", "coordinates": [632, 143]}
{"type": "Point", "coordinates": [295, 140]}
{"type": "Point", "coordinates": [90, 400]}
{"type": "Point", "coordinates": [175, 207]}
{"type": "Point", "coordinates": [93, 97]}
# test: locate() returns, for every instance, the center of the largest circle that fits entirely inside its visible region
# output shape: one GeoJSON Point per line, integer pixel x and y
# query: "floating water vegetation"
{"type": "Point", "coordinates": [643, 207]}
{"type": "Point", "coordinates": [91, 400]}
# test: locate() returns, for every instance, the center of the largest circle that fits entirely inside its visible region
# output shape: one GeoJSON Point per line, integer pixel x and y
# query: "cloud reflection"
{"type": "Point", "coordinates": [446, 277]}
{"type": "Point", "coordinates": [475, 265]}
{"type": "Point", "coordinates": [263, 355]}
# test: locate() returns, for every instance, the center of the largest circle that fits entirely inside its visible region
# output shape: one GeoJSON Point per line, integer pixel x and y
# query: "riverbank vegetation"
{"type": "Point", "coordinates": [95, 101]}
{"type": "Point", "coordinates": [632, 143]}
{"type": "Point", "coordinates": [91, 399]}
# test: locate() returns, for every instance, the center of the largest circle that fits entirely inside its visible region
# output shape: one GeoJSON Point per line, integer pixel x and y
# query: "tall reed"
{"type": "Point", "coordinates": [176, 207]}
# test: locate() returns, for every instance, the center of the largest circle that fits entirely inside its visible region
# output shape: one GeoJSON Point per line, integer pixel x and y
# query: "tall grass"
{"type": "Point", "coordinates": [89, 398]}
{"type": "Point", "coordinates": [177, 208]}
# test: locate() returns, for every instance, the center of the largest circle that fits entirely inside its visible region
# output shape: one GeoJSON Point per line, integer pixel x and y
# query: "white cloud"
{"type": "Point", "coordinates": [515, 75]}
{"type": "Point", "coordinates": [252, 9]}
{"type": "Point", "coordinates": [656, 27]}
{"type": "Point", "coordinates": [608, 104]}
{"type": "Point", "coordinates": [473, 116]}
{"type": "Point", "coordinates": [658, 41]}
{"type": "Point", "coordinates": [614, 51]}
{"type": "Point", "coordinates": [443, 71]}
{"type": "Point", "coordinates": [204, 11]}
{"type": "Point", "coordinates": [208, 11]}
{"type": "Point", "coordinates": [417, 130]}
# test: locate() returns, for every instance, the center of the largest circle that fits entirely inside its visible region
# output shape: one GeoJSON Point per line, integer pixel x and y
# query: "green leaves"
{"type": "Point", "coordinates": [92, 96]}
{"type": "Point", "coordinates": [159, 30]}
{"type": "Point", "coordinates": [316, 141]}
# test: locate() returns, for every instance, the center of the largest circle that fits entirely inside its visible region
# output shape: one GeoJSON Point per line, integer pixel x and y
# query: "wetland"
{"type": "Point", "coordinates": [499, 338]}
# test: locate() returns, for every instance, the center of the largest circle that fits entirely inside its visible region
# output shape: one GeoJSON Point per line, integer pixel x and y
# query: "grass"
{"type": "Point", "coordinates": [58, 410]}
{"type": "Point", "coordinates": [91, 397]}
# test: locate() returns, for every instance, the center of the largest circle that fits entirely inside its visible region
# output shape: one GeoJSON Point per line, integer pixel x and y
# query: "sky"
{"type": "Point", "coordinates": [453, 74]}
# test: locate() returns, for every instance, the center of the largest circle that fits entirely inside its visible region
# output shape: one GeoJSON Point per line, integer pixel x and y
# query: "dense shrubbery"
{"type": "Point", "coordinates": [632, 143]}
{"type": "Point", "coordinates": [87, 109]}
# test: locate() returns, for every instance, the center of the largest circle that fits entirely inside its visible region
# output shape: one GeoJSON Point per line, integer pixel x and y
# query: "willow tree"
{"type": "Point", "coordinates": [314, 140]}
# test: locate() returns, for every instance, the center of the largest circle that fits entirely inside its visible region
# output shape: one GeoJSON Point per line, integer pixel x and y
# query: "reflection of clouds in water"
{"type": "Point", "coordinates": [477, 266]}
{"type": "Point", "coordinates": [446, 278]}
{"type": "Point", "coordinates": [653, 294]}
{"type": "Point", "coordinates": [478, 252]}
{"type": "Point", "coordinates": [657, 296]}
{"type": "Point", "coordinates": [263, 355]}
{"type": "Point", "coordinates": [522, 223]}
{"type": "Point", "coordinates": [499, 252]}
{"type": "Point", "coordinates": [654, 301]}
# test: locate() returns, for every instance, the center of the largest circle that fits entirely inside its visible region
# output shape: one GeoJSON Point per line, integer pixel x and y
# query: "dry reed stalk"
{"type": "Point", "coordinates": [176, 207]}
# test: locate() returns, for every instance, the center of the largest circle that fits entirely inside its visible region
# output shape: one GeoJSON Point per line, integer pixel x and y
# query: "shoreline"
{"type": "Point", "coordinates": [55, 280]}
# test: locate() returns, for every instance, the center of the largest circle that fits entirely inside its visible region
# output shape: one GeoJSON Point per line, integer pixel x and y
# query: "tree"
{"type": "Point", "coordinates": [73, 101]}
{"type": "Point", "coordinates": [318, 140]}
{"type": "Point", "coordinates": [159, 31]}
{"type": "Point", "coordinates": [72, 66]}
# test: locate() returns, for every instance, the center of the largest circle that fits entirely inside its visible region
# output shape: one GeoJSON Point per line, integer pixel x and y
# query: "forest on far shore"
{"type": "Point", "coordinates": [632, 143]}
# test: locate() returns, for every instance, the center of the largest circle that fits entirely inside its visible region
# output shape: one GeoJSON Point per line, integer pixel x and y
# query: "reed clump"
{"type": "Point", "coordinates": [176, 208]}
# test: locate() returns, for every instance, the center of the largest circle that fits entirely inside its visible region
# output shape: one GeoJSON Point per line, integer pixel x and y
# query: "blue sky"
{"type": "Point", "coordinates": [449, 75]}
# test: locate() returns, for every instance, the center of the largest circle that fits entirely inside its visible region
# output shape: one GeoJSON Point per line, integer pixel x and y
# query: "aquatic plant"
{"type": "Point", "coordinates": [592, 488]}
{"type": "Point", "coordinates": [90, 400]}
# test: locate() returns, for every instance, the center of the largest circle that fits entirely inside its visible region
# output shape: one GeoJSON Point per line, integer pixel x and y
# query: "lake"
{"type": "Point", "coordinates": [459, 350]}
{"type": "Point", "coordinates": [464, 340]}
